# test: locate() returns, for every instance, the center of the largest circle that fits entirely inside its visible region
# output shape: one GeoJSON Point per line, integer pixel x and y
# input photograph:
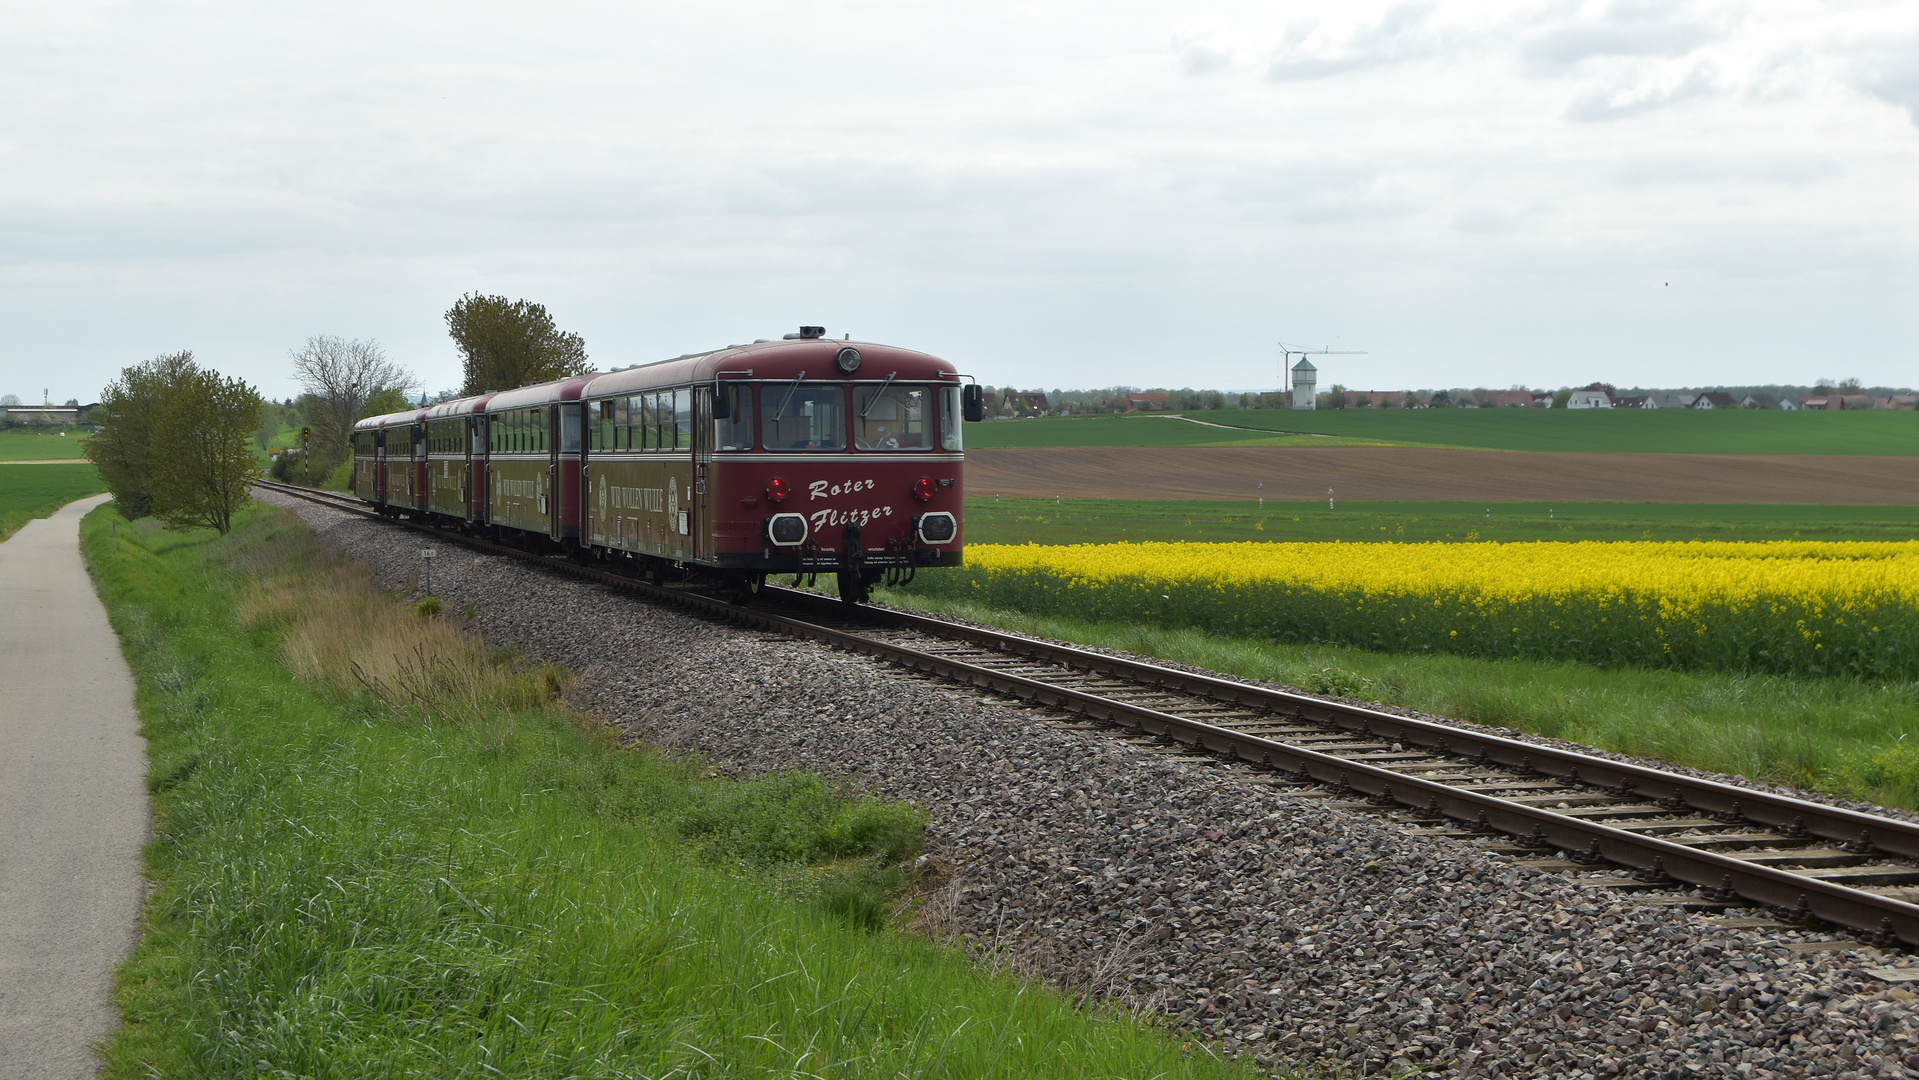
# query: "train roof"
{"type": "Point", "coordinates": [778, 361]}
{"type": "Point", "coordinates": [409, 416]}
{"type": "Point", "coordinates": [539, 393]}
{"type": "Point", "coordinates": [465, 406]}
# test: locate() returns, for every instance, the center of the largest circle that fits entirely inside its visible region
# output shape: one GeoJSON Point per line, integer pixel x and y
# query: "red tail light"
{"type": "Point", "coordinates": [777, 490]}
{"type": "Point", "coordinates": [923, 489]}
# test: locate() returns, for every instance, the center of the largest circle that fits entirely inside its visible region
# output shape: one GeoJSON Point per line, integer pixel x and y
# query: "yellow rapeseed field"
{"type": "Point", "coordinates": [1787, 606]}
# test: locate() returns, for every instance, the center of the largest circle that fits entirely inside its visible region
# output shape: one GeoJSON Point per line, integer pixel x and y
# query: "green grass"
{"type": "Point", "coordinates": [35, 491]}
{"type": "Point", "coordinates": [346, 890]}
{"type": "Point", "coordinates": [1099, 521]}
{"type": "Point", "coordinates": [1836, 735]}
{"type": "Point", "coordinates": [1645, 431]}
{"type": "Point", "coordinates": [42, 444]}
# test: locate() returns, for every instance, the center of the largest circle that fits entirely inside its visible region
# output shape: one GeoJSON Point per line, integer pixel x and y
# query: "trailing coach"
{"type": "Point", "coordinates": [802, 456]}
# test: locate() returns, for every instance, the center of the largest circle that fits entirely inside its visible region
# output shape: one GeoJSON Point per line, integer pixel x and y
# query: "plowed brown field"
{"type": "Point", "coordinates": [1387, 473]}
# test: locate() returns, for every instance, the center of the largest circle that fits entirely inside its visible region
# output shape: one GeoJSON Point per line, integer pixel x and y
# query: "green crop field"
{"type": "Point", "coordinates": [1094, 521]}
{"type": "Point", "coordinates": [1650, 431]}
{"type": "Point", "coordinates": [41, 444]}
{"type": "Point", "coordinates": [34, 491]}
{"type": "Point", "coordinates": [1139, 429]}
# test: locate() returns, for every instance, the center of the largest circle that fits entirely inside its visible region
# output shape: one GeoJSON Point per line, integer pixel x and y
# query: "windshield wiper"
{"type": "Point", "coordinates": [790, 391]}
{"type": "Point", "coordinates": [878, 396]}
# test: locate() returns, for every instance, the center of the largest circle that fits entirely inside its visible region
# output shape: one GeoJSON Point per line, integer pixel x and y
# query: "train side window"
{"type": "Point", "coordinates": [683, 418]}
{"type": "Point", "coordinates": [950, 415]}
{"type": "Point", "coordinates": [569, 429]}
{"type": "Point", "coordinates": [649, 420]}
{"type": "Point", "coordinates": [736, 431]}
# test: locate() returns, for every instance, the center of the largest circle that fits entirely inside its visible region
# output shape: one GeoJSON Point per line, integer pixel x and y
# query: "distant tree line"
{"type": "Point", "coordinates": [1116, 399]}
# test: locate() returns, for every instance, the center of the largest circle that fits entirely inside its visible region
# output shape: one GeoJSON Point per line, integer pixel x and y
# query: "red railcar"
{"type": "Point", "coordinates": [456, 459]}
{"type": "Point", "coordinates": [389, 461]}
{"type": "Point", "coordinates": [803, 455]}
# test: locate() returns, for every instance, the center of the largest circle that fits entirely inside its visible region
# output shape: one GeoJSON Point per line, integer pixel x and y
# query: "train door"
{"type": "Point", "coordinates": [566, 517]}
{"type": "Point", "coordinates": [702, 500]}
{"type": "Point", "coordinates": [421, 472]}
{"type": "Point", "coordinates": [476, 469]}
{"type": "Point", "coordinates": [379, 465]}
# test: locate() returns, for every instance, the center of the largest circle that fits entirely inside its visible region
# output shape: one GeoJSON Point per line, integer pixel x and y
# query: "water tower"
{"type": "Point", "coordinates": [1305, 376]}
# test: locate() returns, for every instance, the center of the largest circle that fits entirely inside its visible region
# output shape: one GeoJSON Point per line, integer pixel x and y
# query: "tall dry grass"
{"type": "Point", "coordinates": [342, 634]}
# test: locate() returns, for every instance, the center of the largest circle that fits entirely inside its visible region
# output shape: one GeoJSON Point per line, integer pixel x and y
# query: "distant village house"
{"type": "Point", "coordinates": [1593, 396]}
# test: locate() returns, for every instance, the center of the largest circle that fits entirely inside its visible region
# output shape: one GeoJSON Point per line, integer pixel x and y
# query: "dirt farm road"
{"type": "Point", "coordinates": [1392, 473]}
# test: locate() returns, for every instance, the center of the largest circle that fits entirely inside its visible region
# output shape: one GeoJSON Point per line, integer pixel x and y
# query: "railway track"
{"type": "Point", "coordinates": [1674, 838]}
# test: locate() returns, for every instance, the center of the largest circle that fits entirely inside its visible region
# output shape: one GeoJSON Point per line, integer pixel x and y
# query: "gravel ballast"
{"type": "Point", "coordinates": [1266, 921]}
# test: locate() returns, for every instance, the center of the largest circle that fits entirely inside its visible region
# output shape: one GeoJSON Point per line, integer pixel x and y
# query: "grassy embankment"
{"type": "Point", "coordinates": [1836, 735]}
{"type": "Point", "coordinates": [1654, 431]}
{"type": "Point", "coordinates": [384, 849]}
{"type": "Point", "coordinates": [1099, 521]}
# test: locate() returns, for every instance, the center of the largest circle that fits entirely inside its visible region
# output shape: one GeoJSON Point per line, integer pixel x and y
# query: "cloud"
{"type": "Point", "coordinates": [1623, 30]}
{"type": "Point", "coordinates": [1613, 103]}
{"type": "Point", "coordinates": [1788, 170]}
{"type": "Point", "coordinates": [1199, 60]}
{"type": "Point", "coordinates": [1891, 74]}
{"type": "Point", "coordinates": [1404, 33]}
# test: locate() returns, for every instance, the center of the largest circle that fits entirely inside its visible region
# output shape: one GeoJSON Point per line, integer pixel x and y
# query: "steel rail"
{"type": "Point", "coordinates": [1673, 791]}
{"type": "Point", "coordinates": [1656, 860]}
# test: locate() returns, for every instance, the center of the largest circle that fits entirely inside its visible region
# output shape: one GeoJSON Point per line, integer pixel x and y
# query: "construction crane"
{"type": "Point", "coordinates": [1287, 352]}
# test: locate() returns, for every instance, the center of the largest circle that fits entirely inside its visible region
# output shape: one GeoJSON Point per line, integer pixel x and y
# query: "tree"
{"type": "Point", "coordinates": [122, 442]}
{"type": "Point", "coordinates": [388, 401]}
{"type": "Point", "coordinates": [342, 379]}
{"type": "Point", "coordinates": [203, 455]}
{"type": "Point", "coordinates": [9, 400]}
{"type": "Point", "coordinates": [507, 343]}
{"type": "Point", "coordinates": [1336, 396]}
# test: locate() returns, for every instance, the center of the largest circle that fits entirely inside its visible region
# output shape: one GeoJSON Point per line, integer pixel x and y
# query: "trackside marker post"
{"type": "Point", "coordinates": [427, 554]}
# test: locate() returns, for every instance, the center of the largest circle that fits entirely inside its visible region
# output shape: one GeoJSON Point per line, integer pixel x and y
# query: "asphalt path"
{"type": "Point", "coordinates": [73, 805]}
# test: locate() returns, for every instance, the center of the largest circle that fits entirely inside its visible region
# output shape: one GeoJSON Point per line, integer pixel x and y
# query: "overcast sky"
{"type": "Point", "coordinates": [1051, 195]}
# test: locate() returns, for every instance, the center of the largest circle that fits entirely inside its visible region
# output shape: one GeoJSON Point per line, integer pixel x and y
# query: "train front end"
{"type": "Point", "coordinates": [807, 456]}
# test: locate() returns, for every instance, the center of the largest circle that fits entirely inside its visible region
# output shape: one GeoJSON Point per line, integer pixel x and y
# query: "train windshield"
{"type": "Point", "coordinates": [891, 417]}
{"type": "Point", "coordinates": [796, 417]}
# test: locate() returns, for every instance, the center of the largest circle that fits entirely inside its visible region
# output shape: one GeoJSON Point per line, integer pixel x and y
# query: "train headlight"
{"type": "Point", "coordinates": [786, 530]}
{"type": "Point", "coordinates": [937, 528]}
{"type": "Point", "coordinates": [923, 489]}
{"type": "Point", "coordinates": [777, 490]}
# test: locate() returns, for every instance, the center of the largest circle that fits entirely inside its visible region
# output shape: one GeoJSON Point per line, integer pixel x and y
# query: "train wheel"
{"type": "Point", "coordinates": [853, 588]}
